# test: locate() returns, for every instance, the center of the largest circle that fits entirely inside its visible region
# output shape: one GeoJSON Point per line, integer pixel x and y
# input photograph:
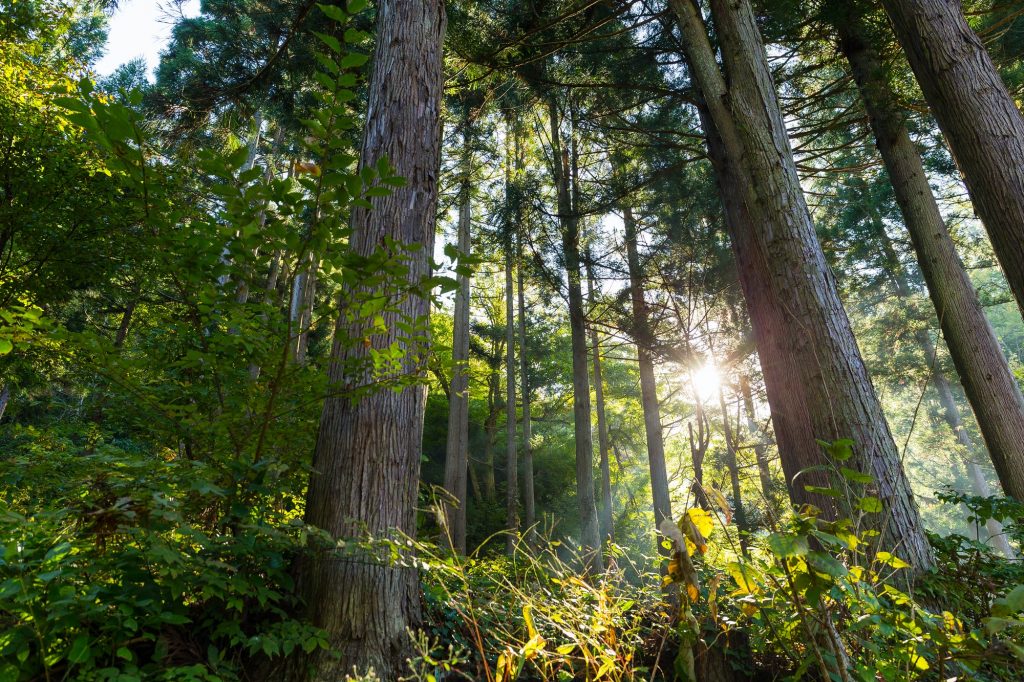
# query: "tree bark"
{"type": "Point", "coordinates": [511, 452]}
{"type": "Point", "coordinates": [590, 537]}
{"type": "Point", "coordinates": [5, 397]}
{"type": "Point", "coordinates": [984, 372]}
{"type": "Point", "coordinates": [976, 114]}
{"type": "Point", "coordinates": [605, 511]}
{"type": "Point", "coordinates": [818, 386]}
{"type": "Point", "coordinates": [456, 461]}
{"type": "Point", "coordinates": [643, 337]}
{"type": "Point", "coordinates": [367, 458]}
{"type": "Point", "coordinates": [529, 501]}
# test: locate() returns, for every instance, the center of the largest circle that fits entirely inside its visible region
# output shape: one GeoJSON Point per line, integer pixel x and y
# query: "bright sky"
{"type": "Point", "coordinates": [141, 28]}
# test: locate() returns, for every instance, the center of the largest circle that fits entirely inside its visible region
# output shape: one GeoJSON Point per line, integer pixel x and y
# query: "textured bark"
{"type": "Point", "coordinates": [590, 537]}
{"type": "Point", "coordinates": [979, 119]}
{"type": "Point", "coordinates": [605, 510]}
{"type": "Point", "coordinates": [818, 386]}
{"type": "Point", "coordinates": [5, 397]}
{"type": "Point", "coordinates": [366, 463]}
{"type": "Point", "coordinates": [529, 498]}
{"type": "Point", "coordinates": [648, 386]}
{"type": "Point", "coordinates": [511, 453]}
{"type": "Point", "coordinates": [456, 461]}
{"type": "Point", "coordinates": [984, 372]}
{"type": "Point", "coordinates": [760, 451]}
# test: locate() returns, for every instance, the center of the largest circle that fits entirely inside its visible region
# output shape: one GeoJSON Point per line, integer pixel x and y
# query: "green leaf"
{"type": "Point", "coordinates": [818, 490]}
{"type": "Point", "coordinates": [80, 650]}
{"type": "Point", "coordinates": [353, 60]}
{"type": "Point", "coordinates": [333, 12]}
{"type": "Point", "coordinates": [787, 545]}
{"type": "Point", "coordinates": [356, 6]}
{"type": "Point", "coordinates": [826, 563]}
{"type": "Point", "coordinates": [5, 346]}
{"type": "Point", "coordinates": [872, 505]}
{"type": "Point", "coordinates": [329, 41]}
{"type": "Point", "coordinates": [58, 551]}
{"type": "Point", "coordinates": [856, 476]}
{"type": "Point", "coordinates": [1011, 604]}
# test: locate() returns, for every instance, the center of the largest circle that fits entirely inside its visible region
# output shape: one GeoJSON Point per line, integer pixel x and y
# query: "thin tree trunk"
{"type": "Point", "coordinates": [605, 511]}
{"type": "Point", "coordinates": [456, 462]}
{"type": "Point", "coordinates": [126, 320]}
{"type": "Point", "coordinates": [978, 117]}
{"type": "Point", "coordinates": [590, 537]}
{"type": "Point", "coordinates": [366, 463]}
{"type": "Point", "coordinates": [529, 503]}
{"type": "Point", "coordinates": [818, 386]}
{"type": "Point", "coordinates": [734, 473]}
{"type": "Point", "coordinates": [980, 487]}
{"type": "Point", "coordinates": [305, 317]}
{"type": "Point", "coordinates": [5, 397]}
{"type": "Point", "coordinates": [760, 451]}
{"type": "Point", "coordinates": [643, 337]}
{"type": "Point", "coordinates": [490, 435]}
{"type": "Point", "coordinates": [511, 452]}
{"type": "Point", "coordinates": [699, 443]}
{"type": "Point", "coordinates": [984, 372]}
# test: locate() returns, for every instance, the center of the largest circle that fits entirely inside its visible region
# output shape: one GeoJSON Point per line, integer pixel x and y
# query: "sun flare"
{"type": "Point", "coordinates": [706, 381]}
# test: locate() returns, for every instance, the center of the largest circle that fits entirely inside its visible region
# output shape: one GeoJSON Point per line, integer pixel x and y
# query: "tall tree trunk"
{"type": "Point", "coordinates": [984, 372]}
{"type": "Point", "coordinates": [605, 511]}
{"type": "Point", "coordinates": [643, 337]}
{"type": "Point", "coordinates": [456, 461]}
{"type": "Point", "coordinates": [979, 119]}
{"type": "Point", "coordinates": [734, 473]}
{"type": "Point", "coordinates": [367, 458]}
{"type": "Point", "coordinates": [305, 314]}
{"type": "Point", "coordinates": [529, 501]}
{"type": "Point", "coordinates": [699, 443]}
{"type": "Point", "coordinates": [951, 413]}
{"type": "Point", "coordinates": [511, 452]}
{"type": "Point", "coordinates": [490, 435]}
{"type": "Point", "coordinates": [590, 536]}
{"type": "Point", "coordinates": [5, 397]}
{"type": "Point", "coordinates": [818, 386]}
{"type": "Point", "coordinates": [760, 451]}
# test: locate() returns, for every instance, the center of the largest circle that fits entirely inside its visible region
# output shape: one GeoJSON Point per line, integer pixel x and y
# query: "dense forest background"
{"type": "Point", "coordinates": [514, 339]}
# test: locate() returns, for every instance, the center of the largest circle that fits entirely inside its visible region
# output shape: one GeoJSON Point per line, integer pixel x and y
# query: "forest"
{"type": "Point", "coordinates": [539, 340]}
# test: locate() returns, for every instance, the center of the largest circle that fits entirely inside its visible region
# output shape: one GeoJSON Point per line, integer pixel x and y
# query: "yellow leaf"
{"type": "Point", "coordinates": [528, 617]}
{"type": "Point", "coordinates": [891, 560]}
{"type": "Point", "coordinates": [744, 577]}
{"type": "Point", "coordinates": [691, 592]}
{"type": "Point", "coordinates": [722, 503]}
{"type": "Point", "coordinates": [713, 595]}
{"type": "Point", "coordinates": [535, 644]}
{"type": "Point", "coordinates": [701, 520]}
